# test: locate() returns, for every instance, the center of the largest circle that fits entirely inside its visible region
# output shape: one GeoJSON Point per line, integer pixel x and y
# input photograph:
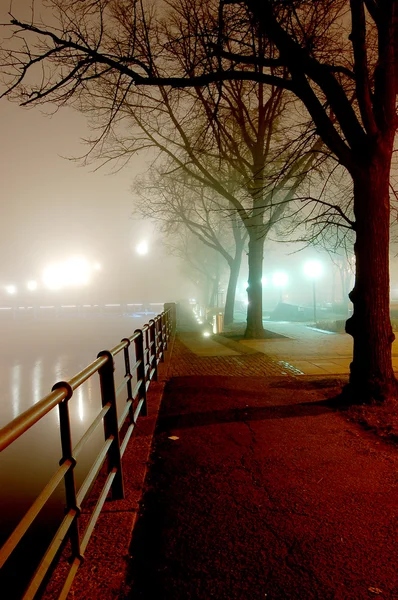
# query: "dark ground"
{"type": "Point", "coordinates": [259, 489]}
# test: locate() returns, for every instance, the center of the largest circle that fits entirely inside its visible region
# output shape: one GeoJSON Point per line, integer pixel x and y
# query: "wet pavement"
{"type": "Point", "coordinates": [259, 489]}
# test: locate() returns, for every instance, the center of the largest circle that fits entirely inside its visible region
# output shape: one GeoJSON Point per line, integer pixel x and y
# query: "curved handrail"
{"type": "Point", "coordinates": [149, 344]}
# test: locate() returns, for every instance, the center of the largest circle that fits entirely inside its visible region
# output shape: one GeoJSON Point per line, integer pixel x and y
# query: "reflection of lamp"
{"type": "Point", "coordinates": [280, 281]}
{"type": "Point", "coordinates": [313, 269]}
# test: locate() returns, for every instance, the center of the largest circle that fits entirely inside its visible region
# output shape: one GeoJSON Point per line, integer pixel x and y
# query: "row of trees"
{"type": "Point", "coordinates": [240, 100]}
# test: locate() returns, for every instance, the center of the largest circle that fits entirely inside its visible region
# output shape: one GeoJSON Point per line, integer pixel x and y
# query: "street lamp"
{"type": "Point", "coordinates": [142, 248]}
{"type": "Point", "coordinates": [313, 269]}
{"type": "Point", "coordinates": [280, 280]}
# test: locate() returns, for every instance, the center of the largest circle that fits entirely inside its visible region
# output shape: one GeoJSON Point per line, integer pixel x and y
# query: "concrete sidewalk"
{"type": "Point", "coordinates": [258, 489]}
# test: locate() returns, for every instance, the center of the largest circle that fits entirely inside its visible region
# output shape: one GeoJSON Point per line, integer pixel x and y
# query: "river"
{"type": "Point", "coordinates": [34, 354]}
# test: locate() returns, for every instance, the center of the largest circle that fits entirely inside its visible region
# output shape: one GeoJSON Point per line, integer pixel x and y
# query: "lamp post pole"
{"type": "Point", "coordinates": [313, 269]}
{"type": "Point", "coordinates": [314, 297]}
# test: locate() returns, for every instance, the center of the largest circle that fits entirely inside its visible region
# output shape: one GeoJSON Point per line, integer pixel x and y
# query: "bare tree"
{"type": "Point", "coordinates": [236, 126]}
{"type": "Point", "coordinates": [174, 202]}
{"type": "Point", "coordinates": [339, 58]}
{"type": "Point", "coordinates": [342, 60]}
{"type": "Point", "coordinates": [199, 263]}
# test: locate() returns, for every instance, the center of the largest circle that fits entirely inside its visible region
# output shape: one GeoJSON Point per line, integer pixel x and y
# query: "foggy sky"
{"type": "Point", "coordinates": [52, 208]}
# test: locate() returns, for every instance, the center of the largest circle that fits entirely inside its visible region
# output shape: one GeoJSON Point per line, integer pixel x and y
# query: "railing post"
{"type": "Point", "coordinates": [69, 477]}
{"type": "Point", "coordinates": [165, 315]}
{"type": "Point", "coordinates": [126, 352]}
{"type": "Point", "coordinates": [152, 357]}
{"type": "Point", "coordinates": [172, 316]}
{"type": "Point", "coordinates": [111, 428]}
{"type": "Point", "coordinates": [160, 337]}
{"type": "Point", "coordinates": [139, 356]}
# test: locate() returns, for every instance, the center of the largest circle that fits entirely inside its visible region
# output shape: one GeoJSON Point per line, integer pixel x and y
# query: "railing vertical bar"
{"type": "Point", "coordinates": [140, 370]}
{"type": "Point", "coordinates": [128, 374]}
{"type": "Point", "coordinates": [160, 338]}
{"type": "Point", "coordinates": [152, 354]}
{"type": "Point", "coordinates": [111, 429]}
{"type": "Point", "coordinates": [69, 477]}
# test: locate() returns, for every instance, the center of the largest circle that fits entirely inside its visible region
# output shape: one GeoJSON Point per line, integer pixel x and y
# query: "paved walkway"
{"type": "Point", "coordinates": [258, 489]}
{"type": "Point", "coordinates": [310, 351]}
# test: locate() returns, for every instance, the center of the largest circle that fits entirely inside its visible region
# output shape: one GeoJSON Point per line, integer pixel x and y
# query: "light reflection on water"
{"type": "Point", "coordinates": [36, 381]}
{"type": "Point", "coordinates": [15, 385]}
{"type": "Point", "coordinates": [34, 356]}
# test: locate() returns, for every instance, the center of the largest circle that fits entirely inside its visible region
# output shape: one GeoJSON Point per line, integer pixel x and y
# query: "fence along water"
{"type": "Point", "coordinates": [149, 345]}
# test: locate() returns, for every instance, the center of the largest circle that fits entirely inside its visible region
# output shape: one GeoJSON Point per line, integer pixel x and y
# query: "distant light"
{"type": "Point", "coordinates": [142, 248]}
{"type": "Point", "coordinates": [200, 322]}
{"type": "Point", "coordinates": [246, 302]}
{"type": "Point", "coordinates": [97, 267]}
{"type": "Point", "coordinates": [313, 268]}
{"type": "Point", "coordinates": [52, 277]}
{"type": "Point", "coordinates": [32, 285]}
{"type": "Point", "coordinates": [279, 279]}
{"type": "Point", "coordinates": [11, 289]}
{"type": "Point", "coordinates": [73, 272]}
{"type": "Point", "coordinates": [206, 334]}
{"type": "Point", "coordinates": [76, 271]}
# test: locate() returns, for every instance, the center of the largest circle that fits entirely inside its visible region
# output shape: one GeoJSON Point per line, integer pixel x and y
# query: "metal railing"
{"type": "Point", "coordinates": [150, 344]}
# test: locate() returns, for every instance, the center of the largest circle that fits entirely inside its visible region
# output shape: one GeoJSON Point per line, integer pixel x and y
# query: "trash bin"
{"type": "Point", "coordinates": [219, 323]}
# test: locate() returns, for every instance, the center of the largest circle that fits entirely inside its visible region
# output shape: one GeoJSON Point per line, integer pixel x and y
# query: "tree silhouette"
{"type": "Point", "coordinates": [338, 58]}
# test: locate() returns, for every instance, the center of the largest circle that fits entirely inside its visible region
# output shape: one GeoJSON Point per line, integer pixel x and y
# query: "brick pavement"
{"type": "Point", "coordinates": [184, 362]}
{"type": "Point", "coordinates": [259, 489]}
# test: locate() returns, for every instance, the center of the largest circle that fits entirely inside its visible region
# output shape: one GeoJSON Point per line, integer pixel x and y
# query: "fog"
{"type": "Point", "coordinates": [52, 209]}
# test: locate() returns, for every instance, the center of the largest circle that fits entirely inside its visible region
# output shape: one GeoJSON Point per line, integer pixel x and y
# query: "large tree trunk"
{"type": "Point", "coordinates": [234, 267]}
{"type": "Point", "coordinates": [254, 328]}
{"type": "Point", "coordinates": [372, 377]}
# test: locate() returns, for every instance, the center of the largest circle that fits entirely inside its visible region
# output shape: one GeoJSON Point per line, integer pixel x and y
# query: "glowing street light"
{"type": "Point", "coordinates": [142, 248]}
{"type": "Point", "coordinates": [32, 285]}
{"type": "Point", "coordinates": [313, 269]}
{"type": "Point", "coordinates": [73, 272]}
{"type": "Point", "coordinates": [11, 289]}
{"type": "Point", "coordinates": [280, 280]}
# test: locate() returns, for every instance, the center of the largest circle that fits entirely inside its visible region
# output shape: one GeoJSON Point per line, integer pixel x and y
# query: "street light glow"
{"type": "Point", "coordinates": [279, 279]}
{"type": "Point", "coordinates": [52, 277]}
{"type": "Point", "coordinates": [11, 289]}
{"type": "Point", "coordinates": [142, 248]}
{"type": "Point", "coordinates": [313, 269]}
{"type": "Point", "coordinates": [73, 272]}
{"type": "Point", "coordinates": [32, 285]}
